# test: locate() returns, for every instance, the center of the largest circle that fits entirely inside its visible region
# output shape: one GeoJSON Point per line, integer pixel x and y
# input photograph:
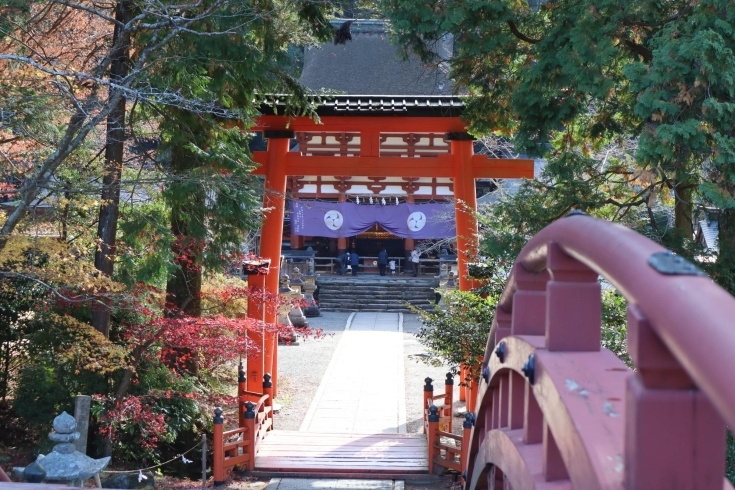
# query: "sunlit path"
{"type": "Point", "coordinates": [362, 390]}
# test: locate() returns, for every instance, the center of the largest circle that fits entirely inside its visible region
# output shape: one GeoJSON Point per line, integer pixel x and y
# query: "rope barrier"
{"type": "Point", "coordinates": [178, 456]}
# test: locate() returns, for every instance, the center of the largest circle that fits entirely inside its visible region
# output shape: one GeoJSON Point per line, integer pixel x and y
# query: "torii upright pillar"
{"type": "Point", "coordinates": [465, 205]}
{"type": "Point", "coordinates": [271, 234]}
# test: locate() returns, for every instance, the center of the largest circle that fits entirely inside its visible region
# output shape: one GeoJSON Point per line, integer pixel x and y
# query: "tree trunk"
{"type": "Point", "coordinates": [114, 148]}
{"type": "Point", "coordinates": [725, 271]}
{"type": "Point", "coordinates": [683, 209]}
{"type": "Point", "coordinates": [183, 290]}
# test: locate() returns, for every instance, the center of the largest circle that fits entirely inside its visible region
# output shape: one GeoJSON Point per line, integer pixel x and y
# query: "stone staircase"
{"type": "Point", "coordinates": [375, 293]}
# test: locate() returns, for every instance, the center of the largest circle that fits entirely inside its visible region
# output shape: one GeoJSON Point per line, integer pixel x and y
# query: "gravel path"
{"type": "Point", "coordinates": [301, 367]}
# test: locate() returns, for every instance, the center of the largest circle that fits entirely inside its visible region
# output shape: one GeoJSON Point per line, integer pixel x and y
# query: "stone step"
{"type": "Point", "coordinates": [397, 310]}
{"type": "Point", "coordinates": [376, 294]}
{"type": "Point", "coordinates": [377, 286]}
{"type": "Point", "coordinates": [397, 296]}
{"type": "Point", "coordinates": [361, 307]}
{"type": "Point", "coordinates": [372, 285]}
{"type": "Point", "coordinates": [377, 291]}
{"type": "Point", "coordinates": [376, 301]}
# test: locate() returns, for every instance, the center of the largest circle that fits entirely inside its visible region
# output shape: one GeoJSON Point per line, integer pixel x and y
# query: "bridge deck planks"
{"type": "Point", "coordinates": [325, 453]}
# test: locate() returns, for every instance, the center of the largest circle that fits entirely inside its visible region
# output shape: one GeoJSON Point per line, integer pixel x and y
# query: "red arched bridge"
{"type": "Point", "coordinates": [554, 410]}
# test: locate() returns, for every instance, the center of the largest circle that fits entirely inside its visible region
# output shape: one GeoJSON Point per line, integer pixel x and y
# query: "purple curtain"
{"type": "Point", "coordinates": [343, 219]}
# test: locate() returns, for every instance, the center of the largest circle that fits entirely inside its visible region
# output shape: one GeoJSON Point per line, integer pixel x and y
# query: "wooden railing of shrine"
{"type": "Point", "coordinates": [555, 410]}
{"type": "Point", "coordinates": [451, 452]}
{"type": "Point", "coordinates": [238, 447]}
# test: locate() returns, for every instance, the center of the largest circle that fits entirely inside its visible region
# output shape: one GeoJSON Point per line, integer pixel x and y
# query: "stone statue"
{"type": "Point", "coordinates": [450, 281]}
{"type": "Point", "coordinates": [296, 315]}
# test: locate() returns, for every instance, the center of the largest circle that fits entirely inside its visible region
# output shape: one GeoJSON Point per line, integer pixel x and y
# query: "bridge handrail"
{"type": "Point", "coordinates": [691, 314]}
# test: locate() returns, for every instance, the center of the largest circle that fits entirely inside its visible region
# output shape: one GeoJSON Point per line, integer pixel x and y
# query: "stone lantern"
{"type": "Point", "coordinates": [64, 463]}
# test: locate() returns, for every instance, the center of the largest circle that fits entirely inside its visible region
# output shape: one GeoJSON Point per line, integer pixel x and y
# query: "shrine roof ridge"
{"type": "Point", "coordinates": [376, 105]}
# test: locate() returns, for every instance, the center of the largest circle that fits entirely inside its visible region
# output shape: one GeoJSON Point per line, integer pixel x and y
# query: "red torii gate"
{"type": "Point", "coordinates": [438, 114]}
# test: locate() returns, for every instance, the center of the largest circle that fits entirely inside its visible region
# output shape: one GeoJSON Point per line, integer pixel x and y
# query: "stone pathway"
{"type": "Point", "coordinates": [363, 388]}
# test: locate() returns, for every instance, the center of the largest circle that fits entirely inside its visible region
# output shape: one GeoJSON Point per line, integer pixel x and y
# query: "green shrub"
{"type": "Point", "coordinates": [40, 396]}
{"type": "Point", "coordinates": [458, 335]}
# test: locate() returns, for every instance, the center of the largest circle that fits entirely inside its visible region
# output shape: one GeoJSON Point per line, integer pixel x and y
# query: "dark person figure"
{"type": "Point", "coordinates": [341, 263]}
{"type": "Point", "coordinates": [382, 261]}
{"type": "Point", "coordinates": [354, 260]}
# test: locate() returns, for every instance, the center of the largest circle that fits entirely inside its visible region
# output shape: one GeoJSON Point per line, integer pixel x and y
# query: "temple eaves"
{"type": "Point", "coordinates": [376, 105]}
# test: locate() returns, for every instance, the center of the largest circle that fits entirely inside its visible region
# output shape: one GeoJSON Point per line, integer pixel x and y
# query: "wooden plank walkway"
{"type": "Point", "coordinates": [356, 424]}
{"type": "Point", "coordinates": [292, 453]}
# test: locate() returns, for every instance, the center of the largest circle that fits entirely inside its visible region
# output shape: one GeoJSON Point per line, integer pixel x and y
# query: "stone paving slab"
{"type": "Point", "coordinates": [305, 484]}
{"type": "Point", "coordinates": [363, 387]}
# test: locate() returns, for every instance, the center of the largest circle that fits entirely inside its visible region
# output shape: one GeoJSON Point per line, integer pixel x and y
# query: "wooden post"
{"type": "Point", "coordinates": [428, 399]}
{"type": "Point", "coordinates": [255, 368]}
{"type": "Point", "coordinates": [81, 415]}
{"type": "Point", "coordinates": [673, 433]}
{"type": "Point", "coordinates": [242, 387]}
{"type": "Point", "coordinates": [465, 205]}
{"type": "Point", "coordinates": [471, 391]}
{"type": "Point", "coordinates": [250, 433]}
{"type": "Point", "coordinates": [218, 446]}
{"type": "Point", "coordinates": [271, 235]}
{"type": "Point", "coordinates": [449, 399]}
{"type": "Point", "coordinates": [573, 304]}
{"type": "Point", "coordinates": [268, 390]}
{"type": "Point", "coordinates": [432, 438]}
{"type": "Point", "coordinates": [462, 384]}
{"type": "Point", "coordinates": [469, 421]}
{"type": "Point", "coordinates": [204, 460]}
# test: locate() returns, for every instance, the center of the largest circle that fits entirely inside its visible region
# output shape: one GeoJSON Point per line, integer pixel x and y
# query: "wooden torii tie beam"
{"type": "Point", "coordinates": [277, 163]}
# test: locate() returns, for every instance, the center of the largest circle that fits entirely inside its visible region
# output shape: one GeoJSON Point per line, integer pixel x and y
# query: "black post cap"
{"type": "Point", "coordinates": [433, 414]}
{"type": "Point", "coordinates": [469, 420]}
{"type": "Point", "coordinates": [450, 380]}
{"type": "Point", "coordinates": [460, 136]}
{"type": "Point", "coordinates": [529, 369]}
{"type": "Point", "coordinates": [249, 412]}
{"type": "Point", "coordinates": [267, 381]}
{"type": "Point", "coordinates": [218, 419]}
{"type": "Point", "coordinates": [500, 351]}
{"type": "Point", "coordinates": [279, 134]}
{"type": "Point", "coordinates": [486, 374]}
{"type": "Point", "coordinates": [241, 375]}
{"type": "Point", "coordinates": [428, 386]}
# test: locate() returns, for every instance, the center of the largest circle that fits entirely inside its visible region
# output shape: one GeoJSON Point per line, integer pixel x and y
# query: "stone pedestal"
{"type": "Point", "coordinates": [312, 308]}
{"type": "Point", "coordinates": [285, 308]}
{"type": "Point", "coordinates": [449, 285]}
{"type": "Point", "coordinates": [296, 315]}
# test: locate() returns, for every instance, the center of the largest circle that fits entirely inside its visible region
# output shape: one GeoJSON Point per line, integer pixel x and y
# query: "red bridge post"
{"type": "Point", "coordinates": [667, 419]}
{"type": "Point", "coordinates": [218, 443]}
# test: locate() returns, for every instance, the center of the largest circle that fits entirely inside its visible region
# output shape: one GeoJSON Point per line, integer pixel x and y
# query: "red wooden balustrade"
{"type": "Point", "coordinates": [438, 425]}
{"type": "Point", "coordinates": [238, 447]}
{"type": "Point", "coordinates": [555, 410]}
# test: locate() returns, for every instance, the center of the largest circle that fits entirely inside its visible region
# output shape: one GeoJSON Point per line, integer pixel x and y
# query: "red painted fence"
{"type": "Point", "coordinates": [554, 410]}
{"type": "Point", "coordinates": [238, 447]}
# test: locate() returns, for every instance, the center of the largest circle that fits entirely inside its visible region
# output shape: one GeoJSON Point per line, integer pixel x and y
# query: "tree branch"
{"type": "Point", "coordinates": [519, 34]}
